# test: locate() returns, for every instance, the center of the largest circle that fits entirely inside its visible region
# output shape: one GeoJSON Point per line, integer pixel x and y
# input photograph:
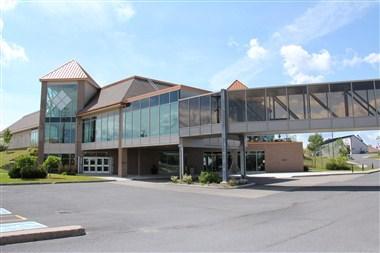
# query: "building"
{"type": "Point", "coordinates": [140, 126]}
{"type": "Point", "coordinates": [354, 144]}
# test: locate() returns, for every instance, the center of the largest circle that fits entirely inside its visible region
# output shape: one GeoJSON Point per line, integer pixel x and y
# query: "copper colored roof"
{"type": "Point", "coordinates": [27, 122]}
{"type": "Point", "coordinates": [71, 70]}
{"type": "Point", "coordinates": [237, 85]}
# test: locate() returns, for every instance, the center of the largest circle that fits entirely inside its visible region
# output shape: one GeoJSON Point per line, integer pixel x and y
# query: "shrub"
{"type": "Point", "coordinates": [187, 179]}
{"type": "Point", "coordinates": [52, 164]}
{"type": "Point", "coordinates": [337, 164]}
{"type": "Point", "coordinates": [208, 177]}
{"type": "Point", "coordinates": [305, 168]}
{"type": "Point", "coordinates": [32, 151]}
{"type": "Point", "coordinates": [233, 182]}
{"type": "Point", "coordinates": [66, 170]}
{"type": "Point", "coordinates": [33, 172]}
{"type": "Point", "coordinates": [3, 147]}
{"type": "Point", "coordinates": [14, 172]}
{"type": "Point", "coordinates": [174, 179]}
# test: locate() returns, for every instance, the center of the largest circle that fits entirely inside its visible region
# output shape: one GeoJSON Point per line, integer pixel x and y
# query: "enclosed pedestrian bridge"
{"type": "Point", "coordinates": [338, 106]}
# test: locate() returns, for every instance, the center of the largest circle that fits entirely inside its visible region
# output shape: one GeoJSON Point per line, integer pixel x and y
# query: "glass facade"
{"type": "Point", "coordinates": [256, 105]}
{"type": "Point", "coordinates": [102, 128]}
{"type": "Point", "coordinates": [153, 116]}
{"type": "Point", "coordinates": [236, 105]}
{"type": "Point", "coordinates": [201, 110]}
{"type": "Point", "coordinates": [34, 138]}
{"type": "Point", "coordinates": [318, 95]}
{"type": "Point", "coordinates": [297, 102]}
{"type": "Point", "coordinates": [168, 163]}
{"type": "Point", "coordinates": [340, 102]}
{"type": "Point", "coordinates": [364, 99]}
{"type": "Point", "coordinates": [277, 107]}
{"type": "Point", "coordinates": [60, 118]}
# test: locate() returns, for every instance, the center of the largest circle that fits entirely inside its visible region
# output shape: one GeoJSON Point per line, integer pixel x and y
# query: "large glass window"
{"type": "Point", "coordinates": [205, 110]}
{"type": "Point", "coordinates": [277, 108]}
{"type": "Point", "coordinates": [89, 130]}
{"type": "Point", "coordinates": [318, 95]}
{"type": "Point", "coordinates": [184, 113]}
{"type": "Point", "coordinates": [340, 102]}
{"type": "Point", "coordinates": [104, 127]}
{"type": "Point", "coordinates": [256, 105]}
{"type": "Point", "coordinates": [61, 108]}
{"type": "Point", "coordinates": [136, 119]}
{"type": "Point", "coordinates": [174, 117]}
{"type": "Point", "coordinates": [377, 95]}
{"type": "Point", "coordinates": [164, 119]}
{"type": "Point", "coordinates": [144, 118]}
{"type": "Point", "coordinates": [255, 161]}
{"type": "Point", "coordinates": [128, 123]}
{"type": "Point", "coordinates": [194, 111]}
{"type": "Point", "coordinates": [34, 138]}
{"type": "Point", "coordinates": [297, 102]}
{"type": "Point", "coordinates": [364, 99]}
{"type": "Point", "coordinates": [236, 105]}
{"type": "Point", "coordinates": [169, 163]}
{"type": "Point", "coordinates": [215, 109]}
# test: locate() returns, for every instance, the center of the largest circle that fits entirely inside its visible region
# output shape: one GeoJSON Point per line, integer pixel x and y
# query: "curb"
{"type": "Point", "coordinates": [214, 186]}
{"type": "Point", "coordinates": [60, 182]}
{"type": "Point", "coordinates": [41, 234]}
{"type": "Point", "coordinates": [340, 174]}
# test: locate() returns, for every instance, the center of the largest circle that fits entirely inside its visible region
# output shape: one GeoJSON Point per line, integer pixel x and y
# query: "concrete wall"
{"type": "Point", "coordinates": [358, 146]}
{"type": "Point", "coordinates": [280, 156]}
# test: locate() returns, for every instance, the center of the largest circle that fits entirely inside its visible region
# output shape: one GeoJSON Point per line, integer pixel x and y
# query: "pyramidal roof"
{"type": "Point", "coordinates": [71, 70]}
{"type": "Point", "coordinates": [237, 85]}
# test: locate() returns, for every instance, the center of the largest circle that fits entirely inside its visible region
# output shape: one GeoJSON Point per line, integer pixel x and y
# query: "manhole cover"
{"type": "Point", "coordinates": [64, 211]}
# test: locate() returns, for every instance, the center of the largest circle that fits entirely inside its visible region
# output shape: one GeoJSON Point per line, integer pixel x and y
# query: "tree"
{"type": "Point", "coordinates": [7, 136]}
{"type": "Point", "coordinates": [344, 150]}
{"type": "Point", "coordinates": [315, 143]}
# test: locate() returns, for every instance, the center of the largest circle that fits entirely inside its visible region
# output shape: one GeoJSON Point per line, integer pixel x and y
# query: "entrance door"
{"type": "Point", "coordinates": [93, 164]}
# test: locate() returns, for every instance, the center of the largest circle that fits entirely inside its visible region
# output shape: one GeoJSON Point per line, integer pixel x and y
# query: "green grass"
{"type": "Point", "coordinates": [8, 156]}
{"type": "Point", "coordinates": [51, 178]}
{"type": "Point", "coordinates": [319, 164]}
{"type": "Point", "coordinates": [375, 156]}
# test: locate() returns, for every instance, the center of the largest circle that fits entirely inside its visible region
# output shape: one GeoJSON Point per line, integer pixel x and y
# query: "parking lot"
{"type": "Point", "coordinates": [331, 213]}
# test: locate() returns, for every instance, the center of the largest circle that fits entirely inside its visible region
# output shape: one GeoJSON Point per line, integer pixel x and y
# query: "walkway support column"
{"type": "Point", "coordinates": [224, 130]}
{"type": "Point", "coordinates": [120, 146]}
{"type": "Point", "coordinates": [243, 165]}
{"type": "Point", "coordinates": [181, 160]}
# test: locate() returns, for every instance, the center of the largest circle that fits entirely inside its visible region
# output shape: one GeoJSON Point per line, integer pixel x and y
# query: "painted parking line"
{"type": "Point", "coordinates": [11, 218]}
{"type": "Point", "coordinates": [4, 211]}
{"type": "Point", "coordinates": [17, 226]}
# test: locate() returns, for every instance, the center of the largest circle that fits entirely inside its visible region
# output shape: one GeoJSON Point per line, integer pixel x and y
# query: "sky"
{"type": "Point", "coordinates": [207, 44]}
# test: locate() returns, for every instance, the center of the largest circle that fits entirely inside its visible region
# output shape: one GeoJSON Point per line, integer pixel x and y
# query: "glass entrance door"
{"type": "Point", "coordinates": [93, 164]}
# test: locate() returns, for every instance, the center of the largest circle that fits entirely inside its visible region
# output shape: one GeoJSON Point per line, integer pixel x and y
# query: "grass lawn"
{"type": "Point", "coordinates": [8, 156]}
{"type": "Point", "coordinates": [375, 156]}
{"type": "Point", "coordinates": [52, 178]}
{"type": "Point", "coordinates": [320, 164]}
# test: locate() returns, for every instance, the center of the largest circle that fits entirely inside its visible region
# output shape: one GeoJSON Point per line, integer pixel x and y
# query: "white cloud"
{"type": "Point", "coordinates": [372, 58]}
{"type": "Point", "coordinates": [1, 25]}
{"type": "Point", "coordinates": [232, 43]}
{"type": "Point", "coordinates": [320, 20]}
{"type": "Point", "coordinates": [11, 52]}
{"type": "Point", "coordinates": [6, 5]}
{"type": "Point", "coordinates": [303, 66]}
{"type": "Point", "coordinates": [125, 11]}
{"type": "Point", "coordinates": [255, 51]}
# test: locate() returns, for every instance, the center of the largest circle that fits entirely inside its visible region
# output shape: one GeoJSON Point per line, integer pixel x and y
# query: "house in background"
{"type": "Point", "coordinates": [355, 145]}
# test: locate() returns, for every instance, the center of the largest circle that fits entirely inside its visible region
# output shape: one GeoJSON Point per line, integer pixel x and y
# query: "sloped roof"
{"type": "Point", "coordinates": [27, 122]}
{"type": "Point", "coordinates": [341, 138]}
{"type": "Point", "coordinates": [237, 85]}
{"type": "Point", "coordinates": [118, 92]}
{"type": "Point", "coordinates": [71, 70]}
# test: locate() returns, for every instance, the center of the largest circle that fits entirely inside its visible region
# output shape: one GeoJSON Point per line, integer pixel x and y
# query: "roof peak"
{"type": "Point", "coordinates": [70, 70]}
{"type": "Point", "coordinates": [237, 85]}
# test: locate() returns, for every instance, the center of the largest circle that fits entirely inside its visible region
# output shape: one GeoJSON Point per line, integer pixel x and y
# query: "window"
{"type": "Point", "coordinates": [215, 109]}
{"type": "Point", "coordinates": [340, 102]}
{"type": "Point", "coordinates": [377, 95]}
{"type": "Point", "coordinates": [318, 95]}
{"type": "Point", "coordinates": [205, 110]}
{"type": "Point", "coordinates": [34, 138]}
{"type": "Point", "coordinates": [277, 106]}
{"type": "Point", "coordinates": [136, 119]}
{"type": "Point", "coordinates": [144, 131]}
{"type": "Point", "coordinates": [184, 113]}
{"type": "Point", "coordinates": [174, 118]}
{"type": "Point", "coordinates": [297, 102]}
{"type": "Point", "coordinates": [164, 119]}
{"type": "Point", "coordinates": [236, 105]}
{"type": "Point", "coordinates": [194, 112]}
{"type": "Point", "coordinates": [364, 99]}
{"type": "Point", "coordinates": [256, 105]}
{"type": "Point", "coordinates": [61, 108]}
{"type": "Point", "coordinates": [128, 123]}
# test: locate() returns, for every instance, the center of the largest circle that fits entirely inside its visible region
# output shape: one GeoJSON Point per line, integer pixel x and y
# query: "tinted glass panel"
{"type": "Point", "coordinates": [184, 113]}
{"type": "Point", "coordinates": [174, 118]}
{"type": "Point", "coordinates": [164, 98]}
{"type": "Point", "coordinates": [154, 101]}
{"type": "Point", "coordinates": [297, 102]}
{"type": "Point", "coordinates": [377, 94]}
{"type": "Point", "coordinates": [173, 96]}
{"type": "Point", "coordinates": [194, 111]}
{"type": "Point", "coordinates": [364, 99]}
{"type": "Point", "coordinates": [277, 107]}
{"type": "Point", "coordinates": [154, 121]}
{"type": "Point", "coordinates": [165, 119]}
{"type": "Point", "coordinates": [256, 105]}
{"type": "Point", "coordinates": [236, 105]}
{"type": "Point", "coordinates": [215, 109]}
{"type": "Point", "coordinates": [205, 110]}
{"type": "Point", "coordinates": [318, 95]}
{"type": "Point", "coordinates": [340, 102]}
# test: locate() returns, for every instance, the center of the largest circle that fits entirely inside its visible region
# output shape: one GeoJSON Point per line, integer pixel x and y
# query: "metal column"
{"type": "Point", "coordinates": [181, 161]}
{"type": "Point", "coordinates": [243, 165]}
{"type": "Point", "coordinates": [224, 130]}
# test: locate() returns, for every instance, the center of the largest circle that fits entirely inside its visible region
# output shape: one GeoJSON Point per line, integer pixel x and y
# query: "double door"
{"type": "Point", "coordinates": [101, 165]}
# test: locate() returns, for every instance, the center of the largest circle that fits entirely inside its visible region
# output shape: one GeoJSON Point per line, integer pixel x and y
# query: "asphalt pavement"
{"type": "Point", "coordinates": [320, 214]}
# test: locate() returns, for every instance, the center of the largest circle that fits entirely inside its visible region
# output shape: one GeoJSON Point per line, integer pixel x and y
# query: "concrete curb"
{"type": "Point", "coordinates": [340, 174]}
{"type": "Point", "coordinates": [61, 182]}
{"type": "Point", "coordinates": [41, 234]}
{"type": "Point", "coordinates": [213, 186]}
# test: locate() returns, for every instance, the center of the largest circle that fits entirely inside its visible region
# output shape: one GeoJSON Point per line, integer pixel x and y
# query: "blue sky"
{"type": "Point", "coordinates": [204, 44]}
